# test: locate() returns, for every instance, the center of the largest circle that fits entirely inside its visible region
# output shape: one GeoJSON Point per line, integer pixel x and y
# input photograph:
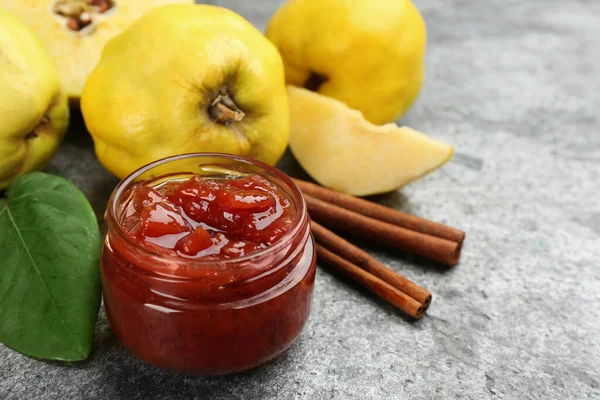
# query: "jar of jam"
{"type": "Point", "coordinates": [208, 265]}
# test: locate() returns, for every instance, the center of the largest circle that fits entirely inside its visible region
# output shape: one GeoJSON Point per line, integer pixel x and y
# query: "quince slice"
{"type": "Point", "coordinates": [341, 150]}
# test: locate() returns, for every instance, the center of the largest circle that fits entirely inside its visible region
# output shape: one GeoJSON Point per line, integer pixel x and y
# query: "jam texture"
{"type": "Point", "coordinates": [208, 218]}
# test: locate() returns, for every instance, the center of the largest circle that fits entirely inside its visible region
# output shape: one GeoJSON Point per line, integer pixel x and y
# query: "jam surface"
{"type": "Point", "coordinates": [215, 218]}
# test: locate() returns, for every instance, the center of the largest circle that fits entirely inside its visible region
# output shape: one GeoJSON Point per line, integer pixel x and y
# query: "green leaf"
{"type": "Point", "coordinates": [49, 272]}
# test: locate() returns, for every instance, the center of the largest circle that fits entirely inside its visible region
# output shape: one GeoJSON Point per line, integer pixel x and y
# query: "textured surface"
{"type": "Point", "coordinates": [514, 84]}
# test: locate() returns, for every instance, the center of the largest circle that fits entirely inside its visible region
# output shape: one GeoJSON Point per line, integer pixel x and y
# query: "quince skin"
{"type": "Point", "coordinates": [186, 78]}
{"type": "Point", "coordinates": [34, 113]}
{"type": "Point", "coordinates": [368, 54]}
{"type": "Point", "coordinates": [341, 150]}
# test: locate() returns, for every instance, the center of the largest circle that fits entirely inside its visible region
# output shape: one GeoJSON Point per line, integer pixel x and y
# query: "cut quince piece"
{"type": "Point", "coordinates": [75, 31]}
{"type": "Point", "coordinates": [341, 150]}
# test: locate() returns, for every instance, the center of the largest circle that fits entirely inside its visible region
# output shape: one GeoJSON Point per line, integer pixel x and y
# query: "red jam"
{"type": "Point", "coordinates": [208, 274]}
{"type": "Point", "coordinates": [208, 219]}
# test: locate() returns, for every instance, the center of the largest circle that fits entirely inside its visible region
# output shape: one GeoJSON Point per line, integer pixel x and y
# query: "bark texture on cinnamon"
{"type": "Point", "coordinates": [380, 212]}
{"type": "Point", "coordinates": [340, 219]}
{"type": "Point", "coordinates": [374, 284]}
{"type": "Point", "coordinates": [364, 260]}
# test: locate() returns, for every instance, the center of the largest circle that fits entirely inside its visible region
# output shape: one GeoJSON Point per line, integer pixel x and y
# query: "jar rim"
{"type": "Point", "coordinates": [296, 194]}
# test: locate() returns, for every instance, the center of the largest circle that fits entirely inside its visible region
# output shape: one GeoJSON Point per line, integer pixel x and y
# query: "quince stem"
{"type": "Point", "coordinates": [224, 110]}
{"type": "Point", "coordinates": [315, 81]}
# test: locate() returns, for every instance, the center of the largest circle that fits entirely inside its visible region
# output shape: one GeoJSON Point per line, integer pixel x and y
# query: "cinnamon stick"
{"type": "Point", "coordinates": [337, 218]}
{"type": "Point", "coordinates": [364, 260]}
{"type": "Point", "coordinates": [372, 283]}
{"type": "Point", "coordinates": [381, 212]}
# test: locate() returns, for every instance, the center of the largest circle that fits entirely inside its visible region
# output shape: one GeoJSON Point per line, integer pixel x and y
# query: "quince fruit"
{"type": "Point", "coordinates": [33, 111]}
{"type": "Point", "coordinates": [75, 31]}
{"type": "Point", "coordinates": [341, 150]}
{"type": "Point", "coordinates": [186, 78]}
{"type": "Point", "coordinates": [368, 54]}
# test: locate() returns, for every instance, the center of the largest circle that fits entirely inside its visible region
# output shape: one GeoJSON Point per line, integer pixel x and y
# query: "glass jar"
{"type": "Point", "coordinates": [207, 317]}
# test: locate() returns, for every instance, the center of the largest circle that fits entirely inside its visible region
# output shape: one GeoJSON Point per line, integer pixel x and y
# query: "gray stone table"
{"type": "Point", "coordinates": [515, 85]}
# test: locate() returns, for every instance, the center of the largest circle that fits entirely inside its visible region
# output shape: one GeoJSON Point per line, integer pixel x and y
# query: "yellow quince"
{"type": "Point", "coordinates": [368, 54]}
{"type": "Point", "coordinates": [34, 113]}
{"type": "Point", "coordinates": [186, 78]}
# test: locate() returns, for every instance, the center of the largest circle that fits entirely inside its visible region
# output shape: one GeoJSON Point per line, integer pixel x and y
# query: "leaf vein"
{"type": "Point", "coordinates": [62, 239]}
{"type": "Point", "coordinates": [75, 278]}
{"type": "Point", "coordinates": [35, 267]}
{"type": "Point", "coordinates": [33, 194]}
{"type": "Point", "coordinates": [73, 220]}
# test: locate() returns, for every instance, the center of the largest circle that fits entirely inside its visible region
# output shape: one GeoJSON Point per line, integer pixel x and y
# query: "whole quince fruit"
{"type": "Point", "coordinates": [34, 113]}
{"type": "Point", "coordinates": [368, 54]}
{"type": "Point", "coordinates": [341, 150]}
{"type": "Point", "coordinates": [186, 78]}
{"type": "Point", "coordinates": [75, 31]}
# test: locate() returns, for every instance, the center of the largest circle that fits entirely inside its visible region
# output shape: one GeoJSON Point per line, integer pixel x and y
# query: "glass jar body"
{"type": "Point", "coordinates": [205, 338]}
{"type": "Point", "coordinates": [214, 318]}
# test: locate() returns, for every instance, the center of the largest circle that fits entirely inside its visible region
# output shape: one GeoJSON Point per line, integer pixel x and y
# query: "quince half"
{"type": "Point", "coordinates": [75, 31]}
{"type": "Point", "coordinates": [183, 79]}
{"type": "Point", "coordinates": [34, 113]}
{"type": "Point", "coordinates": [341, 150]}
{"type": "Point", "coordinates": [368, 54]}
